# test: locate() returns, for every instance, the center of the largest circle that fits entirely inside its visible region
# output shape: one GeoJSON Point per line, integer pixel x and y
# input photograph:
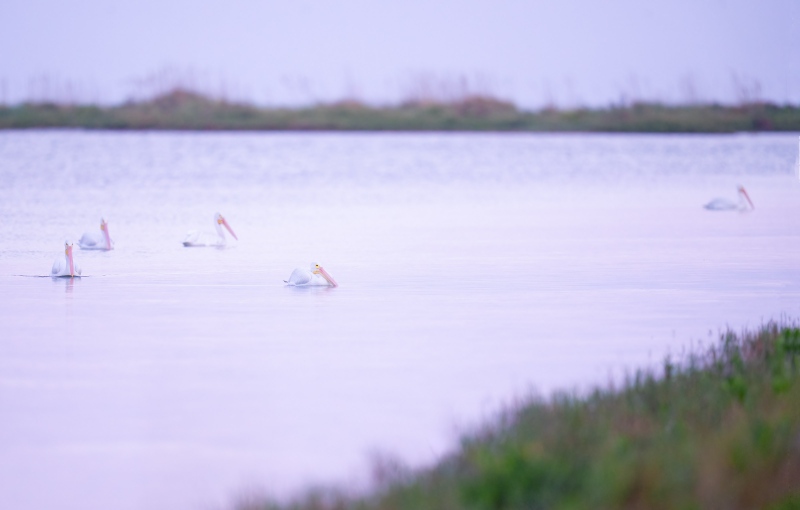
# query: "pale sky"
{"type": "Point", "coordinates": [280, 52]}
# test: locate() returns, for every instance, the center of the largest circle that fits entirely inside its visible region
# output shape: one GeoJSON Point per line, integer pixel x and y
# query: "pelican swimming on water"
{"type": "Point", "coordinates": [723, 204]}
{"type": "Point", "coordinates": [65, 266]}
{"type": "Point", "coordinates": [97, 240]}
{"type": "Point", "coordinates": [316, 276]}
{"type": "Point", "coordinates": [205, 238]}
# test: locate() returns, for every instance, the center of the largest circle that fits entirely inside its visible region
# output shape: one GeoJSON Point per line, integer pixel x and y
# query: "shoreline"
{"type": "Point", "coordinates": [188, 111]}
{"type": "Point", "coordinates": [718, 428]}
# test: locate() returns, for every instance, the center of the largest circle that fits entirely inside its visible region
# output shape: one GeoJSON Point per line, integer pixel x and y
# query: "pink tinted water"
{"type": "Point", "coordinates": [472, 269]}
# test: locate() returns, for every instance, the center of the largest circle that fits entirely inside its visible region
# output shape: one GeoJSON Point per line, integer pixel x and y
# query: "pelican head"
{"type": "Point", "coordinates": [68, 253]}
{"type": "Point", "coordinates": [222, 221]}
{"type": "Point", "coordinates": [743, 192]}
{"type": "Point", "coordinates": [317, 269]}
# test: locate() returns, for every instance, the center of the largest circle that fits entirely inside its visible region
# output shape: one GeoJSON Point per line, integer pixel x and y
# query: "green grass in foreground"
{"type": "Point", "coordinates": [717, 430]}
{"type": "Point", "coordinates": [186, 110]}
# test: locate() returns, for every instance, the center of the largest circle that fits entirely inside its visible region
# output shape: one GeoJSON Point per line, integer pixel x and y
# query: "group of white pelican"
{"type": "Point", "coordinates": [315, 275]}
{"type": "Point", "coordinates": [67, 267]}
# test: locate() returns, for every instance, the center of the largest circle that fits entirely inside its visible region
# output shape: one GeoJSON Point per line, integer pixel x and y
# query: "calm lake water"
{"type": "Point", "coordinates": [473, 269]}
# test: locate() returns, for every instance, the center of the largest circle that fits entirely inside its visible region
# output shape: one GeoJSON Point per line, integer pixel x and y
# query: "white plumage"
{"type": "Point", "coordinates": [206, 238]}
{"type": "Point", "coordinates": [316, 276]}
{"type": "Point", "coordinates": [97, 240]}
{"type": "Point", "coordinates": [65, 266]}
{"type": "Point", "coordinates": [723, 204]}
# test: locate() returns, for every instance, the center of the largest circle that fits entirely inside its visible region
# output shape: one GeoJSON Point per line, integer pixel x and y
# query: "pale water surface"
{"type": "Point", "coordinates": [473, 269]}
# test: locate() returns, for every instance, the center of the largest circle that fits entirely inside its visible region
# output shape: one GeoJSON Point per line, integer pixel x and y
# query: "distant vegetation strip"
{"type": "Point", "coordinates": [186, 110]}
{"type": "Point", "coordinates": [715, 429]}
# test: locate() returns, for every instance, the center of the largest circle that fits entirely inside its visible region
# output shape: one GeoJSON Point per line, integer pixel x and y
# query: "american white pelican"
{"type": "Point", "coordinates": [315, 276]}
{"type": "Point", "coordinates": [97, 240]}
{"type": "Point", "coordinates": [797, 163]}
{"type": "Point", "coordinates": [205, 238]}
{"type": "Point", "coordinates": [723, 204]}
{"type": "Point", "coordinates": [65, 266]}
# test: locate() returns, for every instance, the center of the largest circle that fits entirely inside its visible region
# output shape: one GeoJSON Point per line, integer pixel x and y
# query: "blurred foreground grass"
{"type": "Point", "coordinates": [185, 110]}
{"type": "Point", "coordinates": [719, 429]}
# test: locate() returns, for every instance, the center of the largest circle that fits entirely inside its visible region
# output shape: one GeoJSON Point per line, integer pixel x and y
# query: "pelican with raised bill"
{"type": "Point", "coordinates": [206, 238]}
{"type": "Point", "coordinates": [316, 276]}
{"type": "Point", "coordinates": [97, 240]}
{"type": "Point", "coordinates": [743, 204]}
{"type": "Point", "coordinates": [65, 266]}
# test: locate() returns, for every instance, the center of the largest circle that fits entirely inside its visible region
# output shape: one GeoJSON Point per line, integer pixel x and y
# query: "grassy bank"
{"type": "Point", "coordinates": [716, 430]}
{"type": "Point", "coordinates": [184, 110]}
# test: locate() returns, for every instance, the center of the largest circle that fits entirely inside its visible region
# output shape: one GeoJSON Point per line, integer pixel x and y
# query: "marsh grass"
{"type": "Point", "coordinates": [183, 109]}
{"type": "Point", "coordinates": [715, 429]}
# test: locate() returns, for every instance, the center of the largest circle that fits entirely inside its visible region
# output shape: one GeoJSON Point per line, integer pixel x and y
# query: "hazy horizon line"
{"type": "Point", "coordinates": [295, 91]}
